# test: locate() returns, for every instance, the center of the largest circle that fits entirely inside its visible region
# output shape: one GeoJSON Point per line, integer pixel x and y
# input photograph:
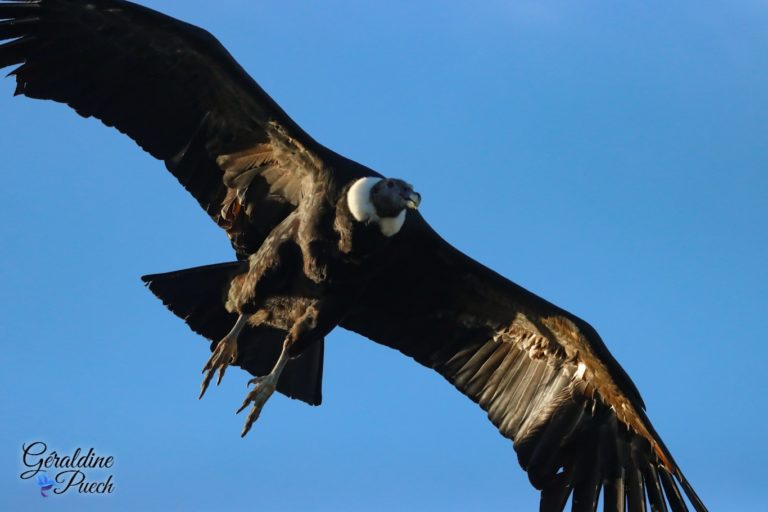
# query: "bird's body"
{"type": "Point", "coordinates": [310, 270]}
{"type": "Point", "coordinates": [322, 241]}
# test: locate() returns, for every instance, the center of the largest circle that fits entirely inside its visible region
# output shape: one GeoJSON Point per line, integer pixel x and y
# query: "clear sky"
{"type": "Point", "coordinates": [609, 157]}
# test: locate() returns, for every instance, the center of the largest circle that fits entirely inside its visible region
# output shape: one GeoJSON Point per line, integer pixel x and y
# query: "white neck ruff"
{"type": "Point", "coordinates": [363, 210]}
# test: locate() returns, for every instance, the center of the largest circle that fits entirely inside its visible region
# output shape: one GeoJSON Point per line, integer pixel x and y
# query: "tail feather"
{"type": "Point", "coordinates": [198, 295]}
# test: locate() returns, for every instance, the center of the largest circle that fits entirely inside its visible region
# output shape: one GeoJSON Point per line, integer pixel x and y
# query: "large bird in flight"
{"type": "Point", "coordinates": [323, 241]}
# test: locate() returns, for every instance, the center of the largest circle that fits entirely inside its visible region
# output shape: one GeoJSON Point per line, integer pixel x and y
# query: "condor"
{"type": "Point", "coordinates": [322, 241]}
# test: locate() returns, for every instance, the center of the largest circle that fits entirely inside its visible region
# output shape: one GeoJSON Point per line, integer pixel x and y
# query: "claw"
{"type": "Point", "coordinates": [264, 387]}
{"type": "Point", "coordinates": [224, 355]}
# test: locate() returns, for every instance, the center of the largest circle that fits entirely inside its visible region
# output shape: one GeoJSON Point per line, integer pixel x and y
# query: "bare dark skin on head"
{"type": "Point", "coordinates": [391, 196]}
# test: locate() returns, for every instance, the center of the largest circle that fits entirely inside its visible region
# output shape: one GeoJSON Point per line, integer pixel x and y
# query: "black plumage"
{"type": "Point", "coordinates": [544, 376]}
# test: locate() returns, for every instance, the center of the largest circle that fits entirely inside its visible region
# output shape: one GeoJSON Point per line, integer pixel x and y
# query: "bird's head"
{"type": "Point", "coordinates": [390, 197]}
{"type": "Point", "coordinates": [382, 201]}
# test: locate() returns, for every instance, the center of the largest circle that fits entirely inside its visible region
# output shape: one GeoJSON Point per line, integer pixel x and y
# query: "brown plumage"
{"type": "Point", "coordinates": [544, 376]}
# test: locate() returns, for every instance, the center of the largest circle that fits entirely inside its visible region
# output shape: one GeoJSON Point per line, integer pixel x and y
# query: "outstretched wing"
{"type": "Point", "coordinates": [176, 91]}
{"type": "Point", "coordinates": [544, 376]}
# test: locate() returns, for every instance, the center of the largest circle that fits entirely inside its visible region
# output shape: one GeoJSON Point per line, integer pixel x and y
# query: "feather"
{"type": "Point", "coordinates": [518, 399]}
{"type": "Point", "coordinates": [479, 380]}
{"type": "Point", "coordinates": [586, 491]}
{"type": "Point", "coordinates": [526, 408]}
{"type": "Point", "coordinates": [586, 494]}
{"type": "Point", "coordinates": [9, 10]}
{"type": "Point", "coordinates": [15, 51]}
{"type": "Point", "coordinates": [613, 495]}
{"type": "Point", "coordinates": [635, 494]}
{"type": "Point", "coordinates": [546, 449]}
{"type": "Point", "coordinates": [653, 487]}
{"type": "Point", "coordinates": [13, 28]}
{"type": "Point", "coordinates": [470, 368]}
{"type": "Point", "coordinates": [555, 495]}
{"type": "Point", "coordinates": [512, 358]}
{"type": "Point", "coordinates": [674, 498]}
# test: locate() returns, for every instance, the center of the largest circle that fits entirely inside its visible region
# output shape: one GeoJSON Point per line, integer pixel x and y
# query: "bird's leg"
{"type": "Point", "coordinates": [224, 355]}
{"type": "Point", "coordinates": [317, 321]}
{"type": "Point", "coordinates": [315, 250]}
{"type": "Point", "coordinates": [263, 388]}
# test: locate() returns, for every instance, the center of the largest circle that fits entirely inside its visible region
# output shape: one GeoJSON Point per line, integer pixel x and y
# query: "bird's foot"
{"type": "Point", "coordinates": [263, 389]}
{"type": "Point", "coordinates": [315, 270]}
{"type": "Point", "coordinates": [224, 355]}
{"type": "Point", "coordinates": [316, 261]}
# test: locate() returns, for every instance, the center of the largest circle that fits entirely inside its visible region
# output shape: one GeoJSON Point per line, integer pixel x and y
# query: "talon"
{"type": "Point", "coordinates": [223, 370]}
{"type": "Point", "coordinates": [223, 355]}
{"type": "Point", "coordinates": [252, 417]}
{"type": "Point", "coordinates": [264, 388]}
{"type": "Point", "coordinates": [204, 385]}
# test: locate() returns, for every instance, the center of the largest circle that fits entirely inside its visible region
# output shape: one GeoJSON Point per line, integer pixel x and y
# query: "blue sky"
{"type": "Point", "coordinates": [611, 158]}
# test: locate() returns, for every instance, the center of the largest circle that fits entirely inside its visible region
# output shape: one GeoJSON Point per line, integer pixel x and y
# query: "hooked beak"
{"type": "Point", "coordinates": [413, 200]}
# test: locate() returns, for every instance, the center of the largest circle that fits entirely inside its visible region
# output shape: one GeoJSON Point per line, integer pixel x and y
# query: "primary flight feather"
{"type": "Point", "coordinates": [323, 241]}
